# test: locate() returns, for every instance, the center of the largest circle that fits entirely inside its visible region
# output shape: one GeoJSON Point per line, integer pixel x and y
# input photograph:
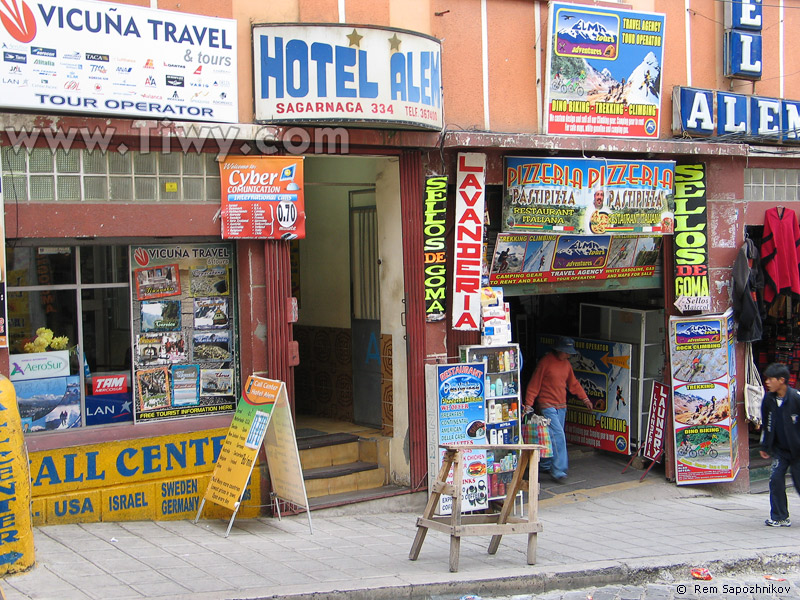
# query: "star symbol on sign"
{"type": "Point", "coordinates": [355, 39]}
{"type": "Point", "coordinates": [394, 44]}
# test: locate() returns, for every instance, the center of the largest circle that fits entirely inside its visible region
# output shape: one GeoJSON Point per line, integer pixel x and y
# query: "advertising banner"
{"type": "Point", "coordinates": [468, 252]}
{"type": "Point", "coordinates": [653, 447]}
{"type": "Point", "coordinates": [462, 421]}
{"type": "Point", "coordinates": [344, 74]}
{"type": "Point", "coordinates": [604, 371]}
{"type": "Point", "coordinates": [184, 341]}
{"type": "Point", "coordinates": [587, 196]}
{"type": "Point", "coordinates": [434, 247]}
{"type": "Point", "coordinates": [603, 72]}
{"type": "Point", "coordinates": [523, 258]}
{"type": "Point", "coordinates": [241, 445]}
{"type": "Point", "coordinates": [703, 398]}
{"type": "Point", "coordinates": [120, 60]}
{"type": "Point", "coordinates": [690, 247]}
{"type": "Point", "coordinates": [262, 198]}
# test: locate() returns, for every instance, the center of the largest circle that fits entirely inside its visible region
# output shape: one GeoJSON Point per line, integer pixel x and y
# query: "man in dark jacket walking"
{"type": "Point", "coordinates": [780, 439]}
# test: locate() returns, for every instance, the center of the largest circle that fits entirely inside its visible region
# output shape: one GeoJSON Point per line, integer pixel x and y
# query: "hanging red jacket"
{"type": "Point", "coordinates": [780, 252]}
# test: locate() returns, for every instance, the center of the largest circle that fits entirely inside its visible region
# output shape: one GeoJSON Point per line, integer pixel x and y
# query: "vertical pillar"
{"type": "Point", "coordinates": [278, 290]}
{"type": "Point", "coordinates": [411, 209]}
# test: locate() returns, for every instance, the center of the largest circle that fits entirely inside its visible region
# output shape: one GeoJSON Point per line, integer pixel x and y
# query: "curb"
{"type": "Point", "coordinates": [633, 572]}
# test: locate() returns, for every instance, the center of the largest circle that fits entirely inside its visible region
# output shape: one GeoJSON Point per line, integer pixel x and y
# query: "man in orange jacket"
{"type": "Point", "coordinates": [548, 387]}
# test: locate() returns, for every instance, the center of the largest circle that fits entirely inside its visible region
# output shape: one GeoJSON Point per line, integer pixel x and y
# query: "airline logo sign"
{"type": "Point", "coordinates": [345, 74]}
{"type": "Point", "coordinates": [68, 39]}
{"type": "Point", "coordinates": [109, 384]}
{"type": "Point", "coordinates": [467, 267]}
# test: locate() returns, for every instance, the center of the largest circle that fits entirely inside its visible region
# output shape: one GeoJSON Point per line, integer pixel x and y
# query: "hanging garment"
{"type": "Point", "coordinates": [780, 251]}
{"type": "Point", "coordinates": [748, 284]}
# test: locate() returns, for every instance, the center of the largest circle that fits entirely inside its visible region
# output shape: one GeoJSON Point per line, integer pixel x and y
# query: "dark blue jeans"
{"type": "Point", "coordinates": [779, 508]}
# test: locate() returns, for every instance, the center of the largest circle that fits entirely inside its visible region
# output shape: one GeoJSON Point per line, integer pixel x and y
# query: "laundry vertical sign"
{"type": "Point", "coordinates": [470, 200]}
{"type": "Point", "coordinates": [691, 239]}
{"type": "Point", "coordinates": [433, 231]}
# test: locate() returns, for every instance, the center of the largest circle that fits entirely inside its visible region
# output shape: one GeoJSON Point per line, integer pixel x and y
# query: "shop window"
{"type": "Point", "coordinates": [41, 175]}
{"type": "Point", "coordinates": [772, 185]}
{"type": "Point", "coordinates": [78, 301]}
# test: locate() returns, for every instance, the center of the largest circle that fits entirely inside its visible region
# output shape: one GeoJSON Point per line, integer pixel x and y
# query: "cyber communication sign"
{"type": "Point", "coordinates": [346, 74]}
{"type": "Point", "coordinates": [114, 59]}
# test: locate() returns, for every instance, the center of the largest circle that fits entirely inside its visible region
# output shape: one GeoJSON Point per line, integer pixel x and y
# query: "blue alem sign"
{"type": "Point", "coordinates": [711, 113]}
{"type": "Point", "coordinates": [109, 408]}
{"type": "Point", "coordinates": [743, 23]}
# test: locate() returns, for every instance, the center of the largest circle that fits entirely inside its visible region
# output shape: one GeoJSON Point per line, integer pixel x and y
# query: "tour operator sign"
{"type": "Point", "coordinates": [113, 59]}
{"type": "Point", "coordinates": [603, 72]}
{"type": "Point", "coordinates": [345, 74]}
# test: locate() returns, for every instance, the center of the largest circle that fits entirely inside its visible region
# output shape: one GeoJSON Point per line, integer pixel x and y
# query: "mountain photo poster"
{"type": "Point", "coordinates": [603, 72]}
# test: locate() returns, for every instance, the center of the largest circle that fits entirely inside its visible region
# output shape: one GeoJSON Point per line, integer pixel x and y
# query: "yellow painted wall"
{"type": "Point", "coordinates": [160, 478]}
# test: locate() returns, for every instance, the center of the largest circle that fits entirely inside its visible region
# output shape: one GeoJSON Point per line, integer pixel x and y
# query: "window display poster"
{"type": "Point", "coordinates": [462, 414]}
{"type": "Point", "coordinates": [588, 196]}
{"type": "Point", "coordinates": [185, 361]}
{"type": "Point", "coordinates": [703, 398]}
{"type": "Point", "coordinates": [603, 71]}
{"type": "Point", "coordinates": [157, 282]}
{"type": "Point", "coordinates": [263, 198]}
{"type": "Point", "coordinates": [211, 313]}
{"type": "Point", "coordinates": [185, 385]}
{"type": "Point", "coordinates": [603, 369]}
{"type": "Point", "coordinates": [525, 258]}
{"type": "Point", "coordinates": [161, 315]}
{"type": "Point", "coordinates": [49, 404]}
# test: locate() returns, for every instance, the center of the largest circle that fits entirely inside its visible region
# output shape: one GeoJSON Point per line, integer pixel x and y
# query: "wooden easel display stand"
{"type": "Point", "coordinates": [494, 524]}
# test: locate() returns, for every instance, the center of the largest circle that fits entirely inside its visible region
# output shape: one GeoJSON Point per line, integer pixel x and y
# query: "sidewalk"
{"type": "Point", "coordinates": [626, 532]}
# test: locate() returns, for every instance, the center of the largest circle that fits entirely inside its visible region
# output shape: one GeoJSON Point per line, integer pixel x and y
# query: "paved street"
{"type": "Point", "coordinates": [741, 587]}
{"type": "Point", "coordinates": [648, 534]}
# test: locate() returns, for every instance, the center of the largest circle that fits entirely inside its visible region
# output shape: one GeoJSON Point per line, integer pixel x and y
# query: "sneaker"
{"type": "Point", "coordinates": [781, 523]}
{"type": "Point", "coordinates": [562, 479]}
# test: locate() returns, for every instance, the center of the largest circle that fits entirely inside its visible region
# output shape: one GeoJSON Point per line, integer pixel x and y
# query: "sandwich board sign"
{"type": "Point", "coordinates": [263, 416]}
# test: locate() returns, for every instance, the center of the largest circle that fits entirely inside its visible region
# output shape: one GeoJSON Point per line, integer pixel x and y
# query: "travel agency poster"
{"type": "Point", "coordinates": [603, 72]}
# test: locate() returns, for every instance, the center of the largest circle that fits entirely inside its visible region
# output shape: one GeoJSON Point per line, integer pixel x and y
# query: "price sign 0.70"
{"type": "Point", "coordinates": [286, 212]}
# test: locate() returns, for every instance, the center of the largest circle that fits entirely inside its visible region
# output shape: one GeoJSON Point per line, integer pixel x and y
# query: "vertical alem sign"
{"type": "Point", "coordinates": [470, 199]}
{"type": "Point", "coordinates": [433, 232]}
{"type": "Point", "coordinates": [691, 241]}
{"type": "Point", "coordinates": [743, 23]}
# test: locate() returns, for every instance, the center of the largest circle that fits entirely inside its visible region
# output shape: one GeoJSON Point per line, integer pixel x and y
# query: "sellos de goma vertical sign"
{"type": "Point", "coordinates": [433, 231]}
{"type": "Point", "coordinates": [691, 241]}
{"type": "Point", "coordinates": [470, 199]}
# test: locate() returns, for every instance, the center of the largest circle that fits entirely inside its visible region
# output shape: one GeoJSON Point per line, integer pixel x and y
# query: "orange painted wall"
{"type": "Point", "coordinates": [459, 28]}
{"type": "Point", "coordinates": [513, 48]}
{"type": "Point", "coordinates": [512, 66]}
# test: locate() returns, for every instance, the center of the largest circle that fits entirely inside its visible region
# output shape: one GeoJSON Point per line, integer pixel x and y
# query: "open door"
{"type": "Point", "coordinates": [365, 308]}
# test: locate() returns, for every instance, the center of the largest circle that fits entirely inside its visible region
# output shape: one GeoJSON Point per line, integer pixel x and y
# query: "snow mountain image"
{"type": "Point", "coordinates": [585, 31]}
{"type": "Point", "coordinates": [698, 329]}
{"type": "Point", "coordinates": [582, 248]}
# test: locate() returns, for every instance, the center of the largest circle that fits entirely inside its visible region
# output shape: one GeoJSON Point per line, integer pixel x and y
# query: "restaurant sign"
{"type": "Point", "coordinates": [587, 196]}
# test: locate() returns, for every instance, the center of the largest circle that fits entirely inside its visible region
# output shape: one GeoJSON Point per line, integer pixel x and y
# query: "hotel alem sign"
{"type": "Point", "coordinates": [345, 74]}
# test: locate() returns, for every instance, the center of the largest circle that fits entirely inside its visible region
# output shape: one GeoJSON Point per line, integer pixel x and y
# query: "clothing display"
{"type": "Point", "coordinates": [780, 251]}
{"type": "Point", "coordinates": [748, 285]}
